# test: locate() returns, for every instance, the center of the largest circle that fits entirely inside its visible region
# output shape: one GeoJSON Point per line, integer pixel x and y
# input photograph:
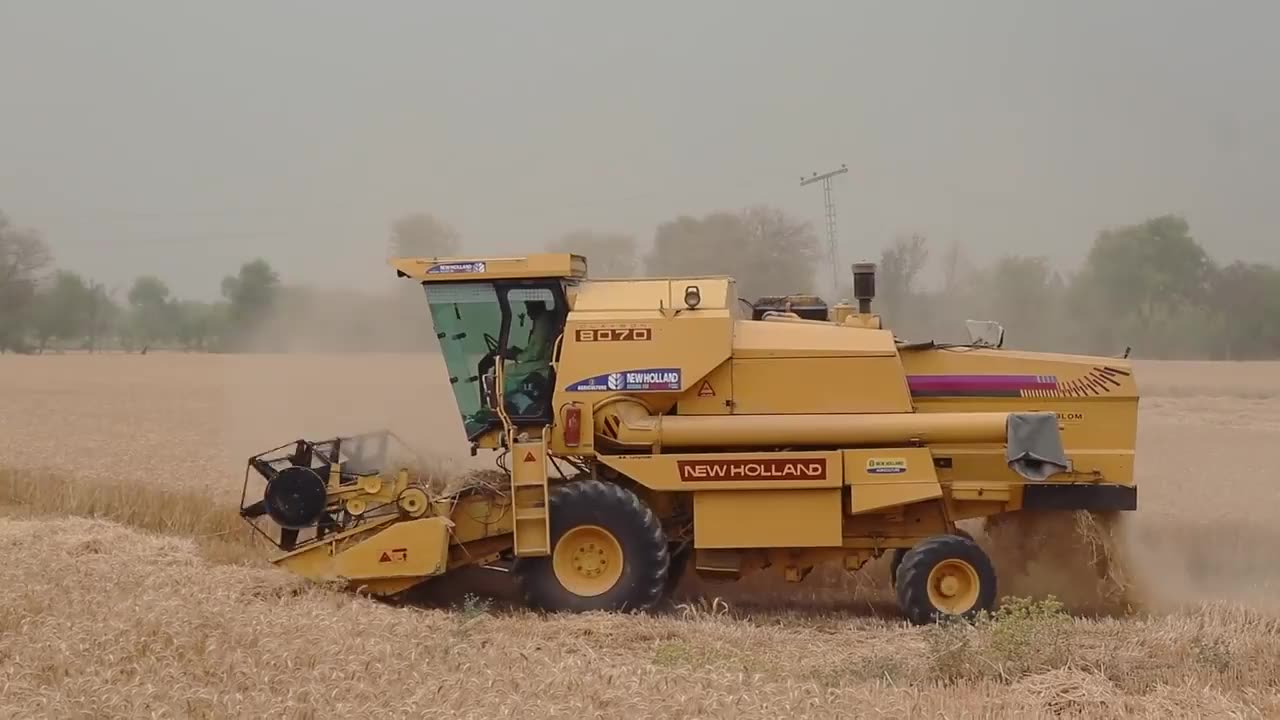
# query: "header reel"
{"type": "Point", "coordinates": [320, 490]}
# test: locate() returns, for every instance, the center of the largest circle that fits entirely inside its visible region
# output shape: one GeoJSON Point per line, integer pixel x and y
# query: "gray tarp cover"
{"type": "Point", "coordinates": [1035, 447]}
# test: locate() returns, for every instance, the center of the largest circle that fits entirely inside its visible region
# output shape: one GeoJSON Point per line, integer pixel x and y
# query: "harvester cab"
{"type": "Point", "coordinates": [649, 426]}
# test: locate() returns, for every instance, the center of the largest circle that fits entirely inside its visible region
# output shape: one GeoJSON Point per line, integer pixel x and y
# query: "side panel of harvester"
{"type": "Point", "coordinates": [638, 338]}
{"type": "Point", "coordinates": [1094, 398]}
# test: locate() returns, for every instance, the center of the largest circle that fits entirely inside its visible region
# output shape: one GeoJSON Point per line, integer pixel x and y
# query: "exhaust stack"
{"type": "Point", "coordinates": [864, 285]}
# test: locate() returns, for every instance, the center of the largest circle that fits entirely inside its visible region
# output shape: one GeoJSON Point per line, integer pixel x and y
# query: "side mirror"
{"type": "Point", "coordinates": [985, 333]}
{"type": "Point", "coordinates": [489, 389]}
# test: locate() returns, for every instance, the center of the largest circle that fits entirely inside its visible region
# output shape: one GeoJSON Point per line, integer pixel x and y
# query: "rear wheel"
{"type": "Point", "coordinates": [945, 575]}
{"type": "Point", "coordinates": [608, 552]}
{"type": "Point", "coordinates": [896, 561]}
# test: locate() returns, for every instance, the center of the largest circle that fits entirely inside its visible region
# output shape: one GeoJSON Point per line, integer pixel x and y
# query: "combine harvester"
{"type": "Point", "coordinates": [645, 425]}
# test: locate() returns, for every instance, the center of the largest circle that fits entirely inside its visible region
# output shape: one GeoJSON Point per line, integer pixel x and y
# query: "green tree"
{"type": "Point", "coordinates": [900, 266]}
{"type": "Point", "coordinates": [1245, 301]}
{"type": "Point", "coordinates": [1144, 285]}
{"type": "Point", "coordinates": [63, 309]}
{"type": "Point", "coordinates": [24, 256]}
{"type": "Point", "coordinates": [608, 254]}
{"type": "Point", "coordinates": [199, 324]}
{"type": "Point", "coordinates": [424, 235]}
{"type": "Point", "coordinates": [1024, 294]}
{"type": "Point", "coordinates": [250, 295]}
{"type": "Point", "coordinates": [782, 252]}
{"type": "Point", "coordinates": [154, 316]}
{"type": "Point", "coordinates": [767, 251]}
{"type": "Point", "coordinates": [104, 315]}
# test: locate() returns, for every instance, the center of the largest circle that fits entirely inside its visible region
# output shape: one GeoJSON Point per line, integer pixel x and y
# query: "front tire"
{"type": "Point", "coordinates": [608, 552]}
{"type": "Point", "coordinates": [945, 575]}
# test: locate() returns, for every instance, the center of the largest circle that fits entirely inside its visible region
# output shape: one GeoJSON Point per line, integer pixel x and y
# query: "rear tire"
{"type": "Point", "coordinates": [896, 561]}
{"type": "Point", "coordinates": [608, 552]}
{"type": "Point", "coordinates": [945, 575]}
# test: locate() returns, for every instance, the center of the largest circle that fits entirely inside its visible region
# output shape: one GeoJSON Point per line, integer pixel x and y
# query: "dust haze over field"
{"type": "Point", "coordinates": [180, 140]}
{"type": "Point", "coordinates": [157, 443]}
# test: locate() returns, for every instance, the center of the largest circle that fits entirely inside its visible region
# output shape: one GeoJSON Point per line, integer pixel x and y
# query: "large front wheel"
{"type": "Point", "coordinates": [608, 552]}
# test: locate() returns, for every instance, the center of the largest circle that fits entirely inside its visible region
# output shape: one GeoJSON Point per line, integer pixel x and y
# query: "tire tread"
{"type": "Point", "coordinates": [536, 580]}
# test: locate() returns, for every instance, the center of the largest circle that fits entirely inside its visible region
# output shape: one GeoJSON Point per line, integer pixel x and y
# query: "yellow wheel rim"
{"type": "Point", "coordinates": [587, 560]}
{"type": "Point", "coordinates": [954, 587]}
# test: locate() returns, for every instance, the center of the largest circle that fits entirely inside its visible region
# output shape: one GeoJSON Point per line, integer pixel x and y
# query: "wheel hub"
{"type": "Point", "coordinates": [587, 560]}
{"type": "Point", "coordinates": [954, 586]}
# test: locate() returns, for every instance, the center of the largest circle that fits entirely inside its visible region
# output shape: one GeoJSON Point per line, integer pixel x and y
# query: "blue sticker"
{"type": "Point", "coordinates": [457, 267]}
{"type": "Point", "coordinates": [647, 380]}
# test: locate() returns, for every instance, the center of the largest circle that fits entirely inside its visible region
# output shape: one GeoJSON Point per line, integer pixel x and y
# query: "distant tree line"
{"type": "Point", "coordinates": [1148, 286]}
{"type": "Point", "coordinates": [43, 307]}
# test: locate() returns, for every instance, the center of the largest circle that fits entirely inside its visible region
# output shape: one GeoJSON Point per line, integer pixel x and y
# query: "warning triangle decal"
{"type": "Point", "coordinates": [385, 557]}
{"type": "Point", "coordinates": [528, 457]}
{"type": "Point", "coordinates": [706, 390]}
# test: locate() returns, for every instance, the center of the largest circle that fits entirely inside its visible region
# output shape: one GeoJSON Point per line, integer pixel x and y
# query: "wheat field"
{"type": "Point", "coordinates": [130, 588]}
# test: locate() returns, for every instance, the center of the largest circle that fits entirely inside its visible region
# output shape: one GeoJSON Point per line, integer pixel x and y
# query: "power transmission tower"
{"type": "Point", "coordinates": [832, 241]}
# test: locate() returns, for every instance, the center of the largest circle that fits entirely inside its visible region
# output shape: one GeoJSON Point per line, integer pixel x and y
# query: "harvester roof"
{"type": "Point", "coordinates": [541, 265]}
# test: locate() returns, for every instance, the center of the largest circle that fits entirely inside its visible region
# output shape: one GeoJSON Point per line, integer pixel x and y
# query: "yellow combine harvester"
{"type": "Point", "coordinates": [645, 425]}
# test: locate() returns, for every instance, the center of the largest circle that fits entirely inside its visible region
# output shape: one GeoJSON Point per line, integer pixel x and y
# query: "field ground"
{"type": "Point", "coordinates": [129, 590]}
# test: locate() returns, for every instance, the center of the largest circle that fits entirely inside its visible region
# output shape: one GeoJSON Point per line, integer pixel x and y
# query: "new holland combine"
{"type": "Point", "coordinates": [648, 425]}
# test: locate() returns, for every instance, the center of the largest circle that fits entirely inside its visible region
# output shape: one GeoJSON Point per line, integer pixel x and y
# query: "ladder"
{"type": "Point", "coordinates": [531, 527]}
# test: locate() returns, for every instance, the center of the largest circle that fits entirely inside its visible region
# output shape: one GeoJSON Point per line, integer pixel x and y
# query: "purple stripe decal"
{"type": "Point", "coordinates": [980, 383]}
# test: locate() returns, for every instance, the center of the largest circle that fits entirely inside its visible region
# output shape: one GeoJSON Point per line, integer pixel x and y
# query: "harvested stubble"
{"type": "Point", "coordinates": [103, 621]}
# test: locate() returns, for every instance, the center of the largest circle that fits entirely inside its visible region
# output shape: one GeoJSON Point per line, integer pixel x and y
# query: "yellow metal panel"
{"type": "Point", "coordinates": [767, 518]}
{"type": "Point", "coordinates": [599, 354]}
{"type": "Point", "coordinates": [1095, 399]}
{"type": "Point", "coordinates": [731, 471]}
{"type": "Point", "coordinates": [764, 338]}
{"type": "Point", "coordinates": [988, 463]}
{"type": "Point", "coordinates": [819, 385]}
{"type": "Point", "coordinates": [889, 477]}
{"type": "Point", "coordinates": [416, 548]}
{"type": "Point", "coordinates": [598, 296]}
{"type": "Point", "coordinates": [710, 395]}
{"type": "Point", "coordinates": [453, 269]}
{"type": "Point", "coordinates": [641, 294]}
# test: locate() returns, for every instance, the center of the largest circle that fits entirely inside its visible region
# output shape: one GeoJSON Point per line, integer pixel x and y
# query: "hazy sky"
{"type": "Point", "coordinates": [181, 138]}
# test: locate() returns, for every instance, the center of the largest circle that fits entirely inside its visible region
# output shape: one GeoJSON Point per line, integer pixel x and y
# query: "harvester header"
{"type": "Point", "coordinates": [649, 427]}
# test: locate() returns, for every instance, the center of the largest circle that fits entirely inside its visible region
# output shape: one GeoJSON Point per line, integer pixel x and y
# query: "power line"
{"type": "Point", "coordinates": [833, 249]}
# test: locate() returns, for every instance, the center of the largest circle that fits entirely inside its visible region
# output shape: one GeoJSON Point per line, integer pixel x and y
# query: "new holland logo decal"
{"type": "Point", "coordinates": [772, 469]}
{"type": "Point", "coordinates": [646, 380]}
{"type": "Point", "coordinates": [457, 267]}
{"type": "Point", "coordinates": [886, 466]}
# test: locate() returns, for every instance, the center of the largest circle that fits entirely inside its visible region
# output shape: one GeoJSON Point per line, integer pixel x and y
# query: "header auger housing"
{"type": "Point", "coordinates": [646, 426]}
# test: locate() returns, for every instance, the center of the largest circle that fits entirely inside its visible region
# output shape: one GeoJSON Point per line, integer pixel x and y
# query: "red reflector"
{"type": "Point", "coordinates": [572, 425]}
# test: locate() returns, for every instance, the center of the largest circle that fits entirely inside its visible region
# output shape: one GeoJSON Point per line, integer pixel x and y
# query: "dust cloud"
{"type": "Point", "coordinates": [327, 363]}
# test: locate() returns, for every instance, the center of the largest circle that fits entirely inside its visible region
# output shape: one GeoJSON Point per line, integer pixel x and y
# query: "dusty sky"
{"type": "Point", "coordinates": [181, 138]}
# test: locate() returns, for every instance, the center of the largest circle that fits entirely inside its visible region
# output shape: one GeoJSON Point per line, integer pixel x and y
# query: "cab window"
{"type": "Point", "coordinates": [479, 325]}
